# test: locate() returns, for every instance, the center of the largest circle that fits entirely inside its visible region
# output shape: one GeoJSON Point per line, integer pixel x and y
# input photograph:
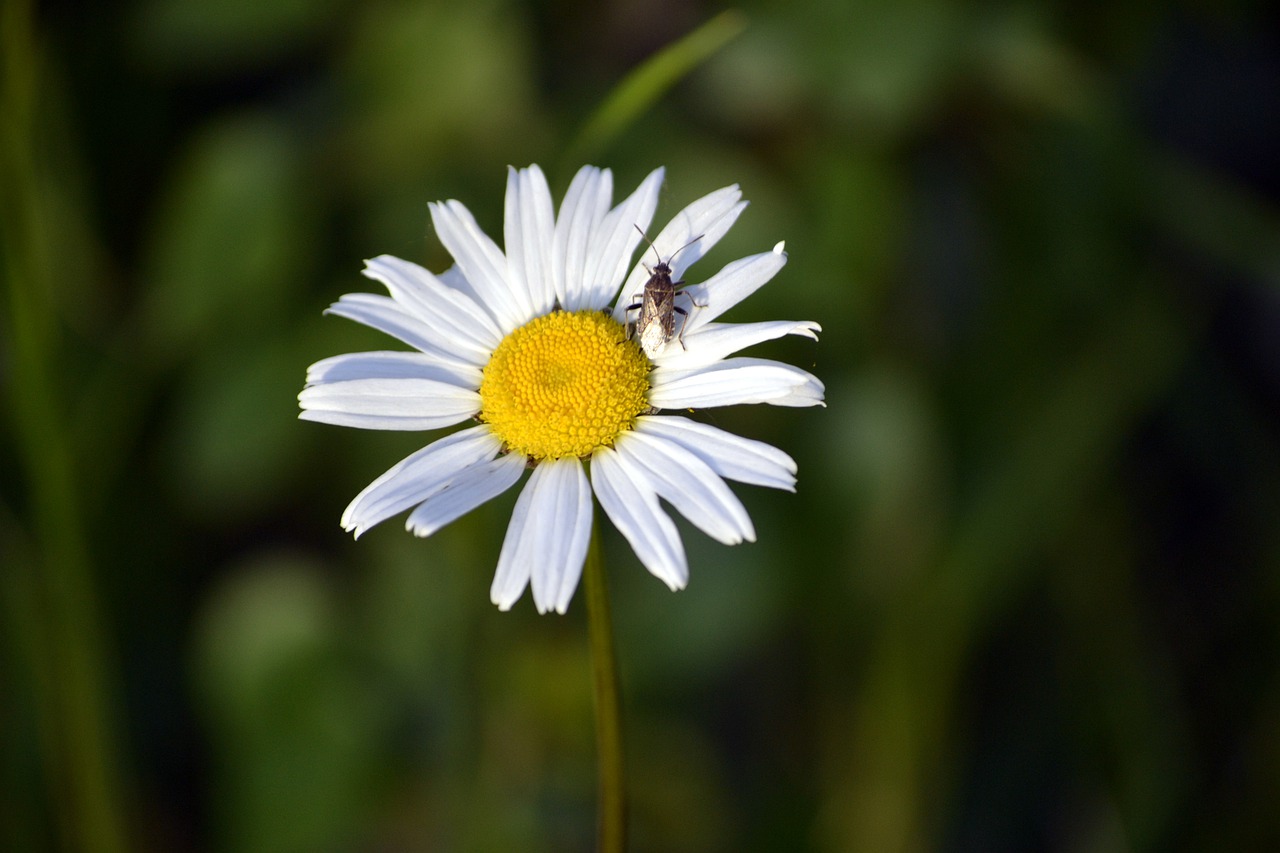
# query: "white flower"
{"type": "Point", "coordinates": [533, 344]}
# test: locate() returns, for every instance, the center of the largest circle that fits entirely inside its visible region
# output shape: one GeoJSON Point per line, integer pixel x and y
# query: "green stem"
{"type": "Point", "coordinates": [613, 794]}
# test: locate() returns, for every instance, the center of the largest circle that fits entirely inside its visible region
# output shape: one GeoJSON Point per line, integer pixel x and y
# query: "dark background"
{"type": "Point", "coordinates": [1024, 599]}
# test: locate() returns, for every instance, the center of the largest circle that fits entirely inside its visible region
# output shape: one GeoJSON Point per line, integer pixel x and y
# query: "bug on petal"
{"type": "Point", "coordinates": [656, 324]}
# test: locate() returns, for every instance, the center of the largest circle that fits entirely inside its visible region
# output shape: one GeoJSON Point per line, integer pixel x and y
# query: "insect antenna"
{"type": "Point", "coordinates": [673, 255]}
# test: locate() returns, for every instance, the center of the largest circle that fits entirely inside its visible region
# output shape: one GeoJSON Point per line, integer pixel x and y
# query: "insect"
{"type": "Point", "coordinates": [656, 324]}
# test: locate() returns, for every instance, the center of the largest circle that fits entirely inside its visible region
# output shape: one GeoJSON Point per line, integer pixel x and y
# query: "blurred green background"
{"type": "Point", "coordinates": [1026, 597]}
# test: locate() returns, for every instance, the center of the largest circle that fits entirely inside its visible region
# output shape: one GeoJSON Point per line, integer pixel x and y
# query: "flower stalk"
{"type": "Point", "coordinates": [612, 782]}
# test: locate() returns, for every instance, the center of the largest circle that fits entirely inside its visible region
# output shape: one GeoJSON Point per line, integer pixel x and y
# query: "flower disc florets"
{"type": "Point", "coordinates": [563, 385]}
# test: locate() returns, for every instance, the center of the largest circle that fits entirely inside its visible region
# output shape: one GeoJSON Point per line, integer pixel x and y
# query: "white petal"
{"type": "Point", "coordinates": [585, 203]}
{"type": "Point", "coordinates": [688, 484]}
{"type": "Point", "coordinates": [616, 239]}
{"type": "Point", "coordinates": [704, 221]}
{"type": "Point", "coordinates": [403, 404]}
{"type": "Point", "coordinates": [389, 317]}
{"type": "Point", "coordinates": [546, 542]}
{"type": "Point", "coordinates": [734, 381]}
{"type": "Point", "coordinates": [733, 457]}
{"type": "Point", "coordinates": [481, 262]}
{"type": "Point", "coordinates": [452, 314]}
{"type": "Point", "coordinates": [530, 237]}
{"type": "Point", "coordinates": [386, 364]}
{"type": "Point", "coordinates": [689, 236]}
{"type": "Point", "coordinates": [471, 487]}
{"type": "Point", "coordinates": [732, 284]}
{"type": "Point", "coordinates": [802, 397]}
{"type": "Point", "coordinates": [715, 341]}
{"type": "Point", "coordinates": [418, 476]}
{"type": "Point", "coordinates": [632, 506]}
{"type": "Point", "coordinates": [453, 279]}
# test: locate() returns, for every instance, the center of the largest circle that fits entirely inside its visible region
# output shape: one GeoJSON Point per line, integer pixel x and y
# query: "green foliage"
{"type": "Point", "coordinates": [1024, 598]}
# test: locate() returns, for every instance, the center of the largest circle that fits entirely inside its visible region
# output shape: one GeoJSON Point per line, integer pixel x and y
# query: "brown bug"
{"type": "Point", "coordinates": [656, 324]}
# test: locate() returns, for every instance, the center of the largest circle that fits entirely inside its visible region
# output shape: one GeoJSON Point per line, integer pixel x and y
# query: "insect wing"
{"type": "Point", "coordinates": [656, 323]}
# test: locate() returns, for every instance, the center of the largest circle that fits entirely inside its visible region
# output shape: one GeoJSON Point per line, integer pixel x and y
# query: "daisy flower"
{"type": "Point", "coordinates": [532, 345]}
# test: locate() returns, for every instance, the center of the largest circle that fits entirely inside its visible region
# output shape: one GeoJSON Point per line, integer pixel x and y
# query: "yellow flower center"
{"type": "Point", "coordinates": [564, 384]}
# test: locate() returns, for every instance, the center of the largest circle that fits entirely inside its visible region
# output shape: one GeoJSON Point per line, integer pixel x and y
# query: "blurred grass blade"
{"type": "Point", "coordinates": [58, 635]}
{"type": "Point", "coordinates": [645, 85]}
{"type": "Point", "coordinates": [1210, 211]}
{"type": "Point", "coordinates": [1225, 220]}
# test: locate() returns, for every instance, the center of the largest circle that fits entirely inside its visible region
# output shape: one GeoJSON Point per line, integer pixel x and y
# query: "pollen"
{"type": "Point", "coordinates": [564, 384]}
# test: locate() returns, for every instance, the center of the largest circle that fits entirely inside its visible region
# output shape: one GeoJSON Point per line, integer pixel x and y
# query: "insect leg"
{"type": "Point", "coordinates": [680, 337]}
{"type": "Point", "coordinates": [631, 327]}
